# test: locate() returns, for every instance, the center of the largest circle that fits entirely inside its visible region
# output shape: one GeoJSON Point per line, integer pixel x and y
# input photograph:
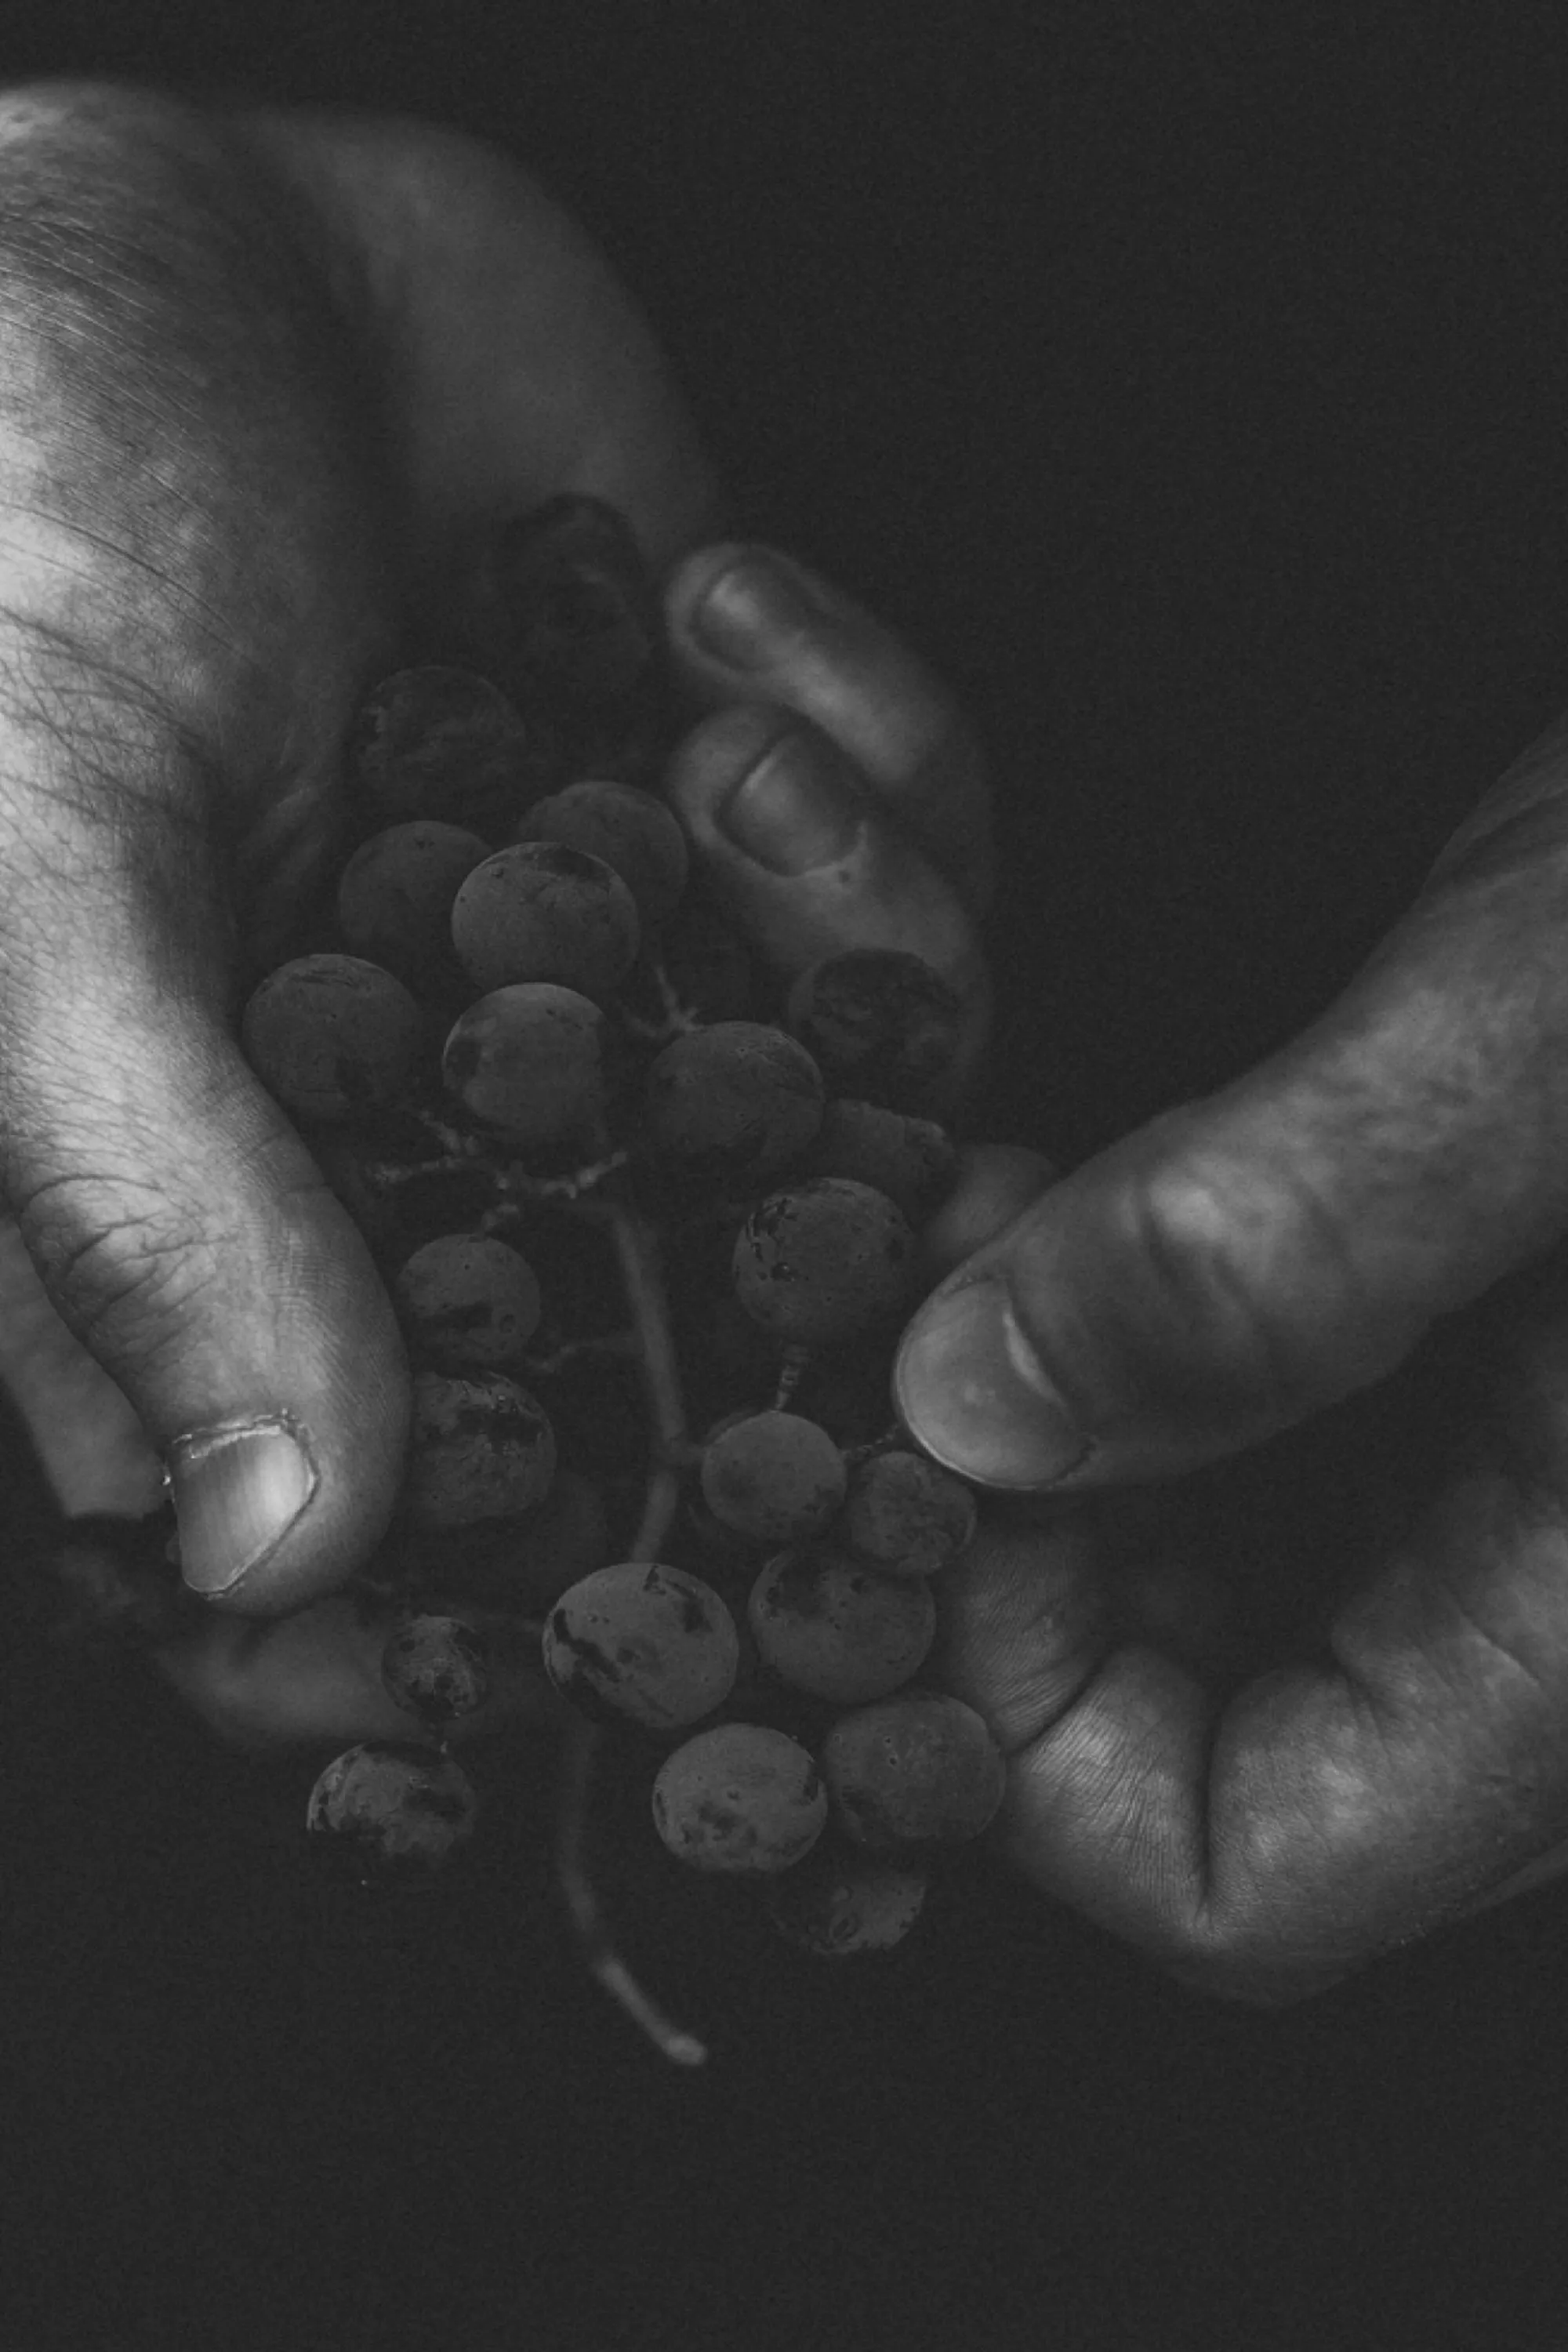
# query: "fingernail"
{"type": "Point", "coordinates": [789, 815]}
{"type": "Point", "coordinates": [238, 1488]}
{"type": "Point", "coordinates": [746, 607]}
{"type": "Point", "coordinates": [970, 1389]}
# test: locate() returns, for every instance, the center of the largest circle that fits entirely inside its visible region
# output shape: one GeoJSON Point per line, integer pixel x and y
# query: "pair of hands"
{"type": "Point", "coordinates": [262, 374]}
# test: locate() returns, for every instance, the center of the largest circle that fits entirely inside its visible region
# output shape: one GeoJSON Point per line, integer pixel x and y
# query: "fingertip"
{"type": "Point", "coordinates": [691, 578]}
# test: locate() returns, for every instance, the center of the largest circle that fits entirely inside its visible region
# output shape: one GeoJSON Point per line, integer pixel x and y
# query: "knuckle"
{"type": "Point", "coordinates": [1244, 1285]}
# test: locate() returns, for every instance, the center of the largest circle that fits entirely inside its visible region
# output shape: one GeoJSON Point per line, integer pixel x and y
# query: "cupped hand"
{"type": "Point", "coordinates": [1388, 1193]}
{"type": "Point", "coordinates": [265, 375]}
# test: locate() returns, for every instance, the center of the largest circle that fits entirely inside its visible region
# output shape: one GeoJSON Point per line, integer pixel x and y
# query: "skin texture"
{"type": "Point", "coordinates": [421, 335]}
{"type": "Point", "coordinates": [262, 375]}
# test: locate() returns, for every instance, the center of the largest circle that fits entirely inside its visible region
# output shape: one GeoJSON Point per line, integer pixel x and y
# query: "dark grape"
{"type": "Point", "coordinates": [400, 1810]}
{"type": "Point", "coordinates": [630, 829]}
{"type": "Point", "coordinates": [333, 1036]}
{"type": "Point", "coordinates": [906, 1515]}
{"type": "Point", "coordinates": [742, 1797]}
{"type": "Point", "coordinates": [541, 910]}
{"type": "Point", "coordinates": [572, 595]}
{"type": "Point", "coordinates": [737, 1099]}
{"type": "Point", "coordinates": [528, 1060]}
{"type": "Point", "coordinates": [827, 1625]}
{"type": "Point", "coordinates": [483, 1448]}
{"type": "Point", "coordinates": [643, 1644]}
{"type": "Point", "coordinates": [994, 1182]}
{"type": "Point", "coordinates": [437, 1668]}
{"type": "Point", "coordinates": [912, 1160]}
{"type": "Point", "coordinates": [467, 1298]}
{"type": "Point", "coordinates": [522, 1563]}
{"type": "Point", "coordinates": [846, 1389]}
{"type": "Point", "coordinates": [825, 1260]}
{"type": "Point", "coordinates": [543, 1024]}
{"type": "Point", "coordinates": [774, 1477]}
{"type": "Point", "coordinates": [883, 1027]}
{"type": "Point", "coordinates": [705, 963]}
{"type": "Point", "coordinates": [441, 742]}
{"type": "Point", "coordinates": [394, 902]}
{"type": "Point", "coordinates": [842, 1899]}
{"type": "Point", "coordinates": [917, 1769]}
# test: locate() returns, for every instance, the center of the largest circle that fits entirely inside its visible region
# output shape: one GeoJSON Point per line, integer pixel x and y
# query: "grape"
{"type": "Point", "coordinates": [576, 605]}
{"type": "Point", "coordinates": [333, 1036]}
{"type": "Point", "coordinates": [827, 1625]}
{"type": "Point", "coordinates": [723, 1177]}
{"type": "Point", "coordinates": [743, 1797]}
{"type": "Point", "coordinates": [522, 1563]}
{"type": "Point", "coordinates": [467, 1298]}
{"type": "Point", "coordinates": [400, 1809]}
{"type": "Point", "coordinates": [445, 743]}
{"type": "Point", "coordinates": [917, 1769]}
{"type": "Point", "coordinates": [707, 965]}
{"type": "Point", "coordinates": [907, 1515]}
{"type": "Point", "coordinates": [821, 1261]}
{"type": "Point", "coordinates": [541, 910]}
{"type": "Point", "coordinates": [632, 830]}
{"type": "Point", "coordinates": [394, 901]}
{"type": "Point", "coordinates": [736, 1099]}
{"type": "Point", "coordinates": [483, 1448]}
{"type": "Point", "coordinates": [994, 1182]}
{"type": "Point", "coordinates": [884, 1027]}
{"type": "Point", "coordinates": [912, 1160]}
{"type": "Point", "coordinates": [644, 1643]}
{"type": "Point", "coordinates": [437, 1668]}
{"type": "Point", "coordinates": [773, 1478]}
{"type": "Point", "coordinates": [846, 1389]}
{"type": "Point", "coordinates": [528, 1059]}
{"type": "Point", "coordinates": [842, 1899]}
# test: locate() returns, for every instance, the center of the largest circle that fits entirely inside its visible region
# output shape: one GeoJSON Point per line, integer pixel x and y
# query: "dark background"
{"type": "Point", "coordinates": [1191, 393]}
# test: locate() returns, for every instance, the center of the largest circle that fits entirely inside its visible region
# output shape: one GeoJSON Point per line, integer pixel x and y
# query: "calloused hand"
{"type": "Point", "coordinates": [264, 373]}
{"type": "Point", "coordinates": [1390, 1182]}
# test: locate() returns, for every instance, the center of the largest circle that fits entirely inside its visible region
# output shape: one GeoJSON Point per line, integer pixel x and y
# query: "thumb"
{"type": "Point", "coordinates": [1248, 1259]}
{"type": "Point", "coordinates": [180, 1226]}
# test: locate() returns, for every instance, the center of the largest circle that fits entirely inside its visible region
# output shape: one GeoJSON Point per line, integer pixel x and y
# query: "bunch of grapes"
{"type": "Point", "coordinates": [623, 1188]}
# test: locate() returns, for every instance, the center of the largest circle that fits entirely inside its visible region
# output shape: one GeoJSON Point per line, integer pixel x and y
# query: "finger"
{"type": "Point", "coordinates": [86, 1434]}
{"type": "Point", "coordinates": [1246, 1260]}
{"type": "Point", "coordinates": [1264, 1845]}
{"type": "Point", "coordinates": [993, 1184]}
{"type": "Point", "coordinates": [516, 365]}
{"type": "Point", "coordinates": [803, 862]}
{"type": "Point", "coordinates": [748, 621]}
{"type": "Point", "coordinates": [316, 1676]}
{"type": "Point", "coordinates": [178, 1224]}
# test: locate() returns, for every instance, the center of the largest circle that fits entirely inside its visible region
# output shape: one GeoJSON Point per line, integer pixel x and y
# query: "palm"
{"type": "Point", "coordinates": [511, 365]}
{"type": "Point", "coordinates": [475, 355]}
{"type": "Point", "coordinates": [508, 365]}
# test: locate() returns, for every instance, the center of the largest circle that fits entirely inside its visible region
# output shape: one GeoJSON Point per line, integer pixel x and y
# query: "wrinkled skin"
{"type": "Point", "coordinates": [258, 378]}
{"type": "Point", "coordinates": [318, 348]}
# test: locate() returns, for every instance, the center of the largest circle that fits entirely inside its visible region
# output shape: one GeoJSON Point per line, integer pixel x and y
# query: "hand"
{"type": "Point", "coordinates": [348, 338]}
{"type": "Point", "coordinates": [1386, 1191]}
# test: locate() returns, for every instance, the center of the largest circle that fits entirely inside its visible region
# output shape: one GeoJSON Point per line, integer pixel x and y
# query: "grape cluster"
{"type": "Point", "coordinates": [623, 1185]}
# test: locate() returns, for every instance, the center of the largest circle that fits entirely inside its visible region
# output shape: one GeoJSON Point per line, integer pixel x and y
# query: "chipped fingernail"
{"type": "Point", "coordinates": [238, 1487]}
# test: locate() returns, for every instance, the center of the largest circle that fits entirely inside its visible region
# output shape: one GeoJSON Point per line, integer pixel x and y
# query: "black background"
{"type": "Point", "coordinates": [1191, 395]}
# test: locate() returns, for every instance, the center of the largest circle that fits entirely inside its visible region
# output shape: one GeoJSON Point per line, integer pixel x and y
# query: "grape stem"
{"type": "Point", "coordinates": [581, 1745]}
{"type": "Point", "coordinates": [647, 1300]}
{"type": "Point", "coordinates": [891, 1439]}
{"type": "Point", "coordinates": [792, 1371]}
{"type": "Point", "coordinates": [611, 1343]}
{"type": "Point", "coordinates": [642, 1274]}
{"type": "Point", "coordinates": [678, 1020]}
